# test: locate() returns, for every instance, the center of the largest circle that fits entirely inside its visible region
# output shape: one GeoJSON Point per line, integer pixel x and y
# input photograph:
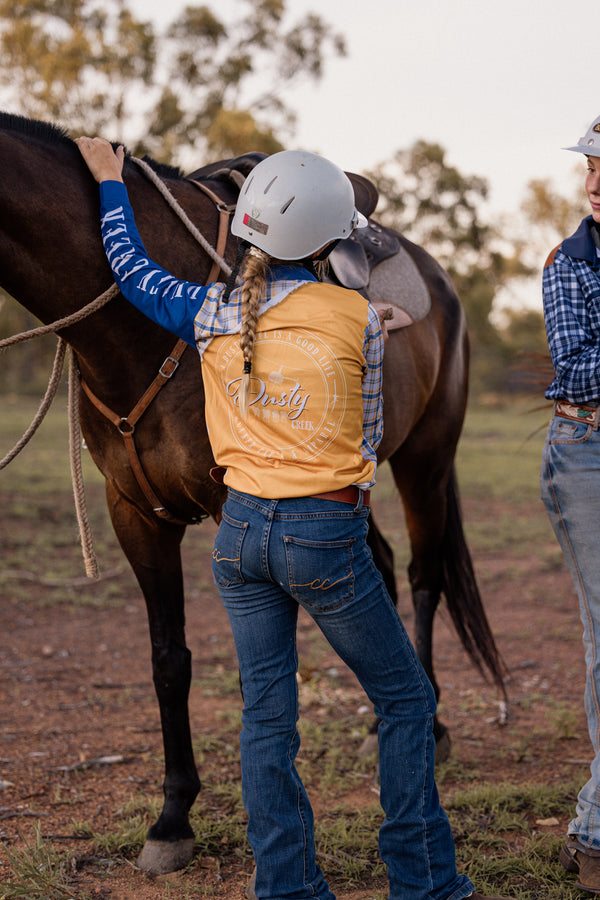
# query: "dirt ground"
{"type": "Point", "coordinates": [79, 730]}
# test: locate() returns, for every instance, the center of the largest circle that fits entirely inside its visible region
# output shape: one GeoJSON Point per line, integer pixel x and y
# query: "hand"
{"type": "Point", "coordinates": [104, 163]}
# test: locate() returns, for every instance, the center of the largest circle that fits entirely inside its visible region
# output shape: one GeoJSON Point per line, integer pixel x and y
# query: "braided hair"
{"type": "Point", "coordinates": [254, 277]}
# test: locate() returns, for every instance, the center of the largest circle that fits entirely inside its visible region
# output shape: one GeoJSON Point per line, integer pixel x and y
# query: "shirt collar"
{"type": "Point", "coordinates": [290, 272]}
{"type": "Point", "coordinates": [581, 244]}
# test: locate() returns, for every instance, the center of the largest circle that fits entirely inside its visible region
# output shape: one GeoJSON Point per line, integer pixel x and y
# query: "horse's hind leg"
{"type": "Point", "coordinates": [423, 490]}
{"type": "Point", "coordinates": [153, 550]}
{"type": "Point", "coordinates": [425, 603]}
{"type": "Point", "coordinates": [383, 557]}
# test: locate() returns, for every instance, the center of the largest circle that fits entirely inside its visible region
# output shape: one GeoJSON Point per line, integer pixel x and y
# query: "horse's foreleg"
{"type": "Point", "coordinates": [153, 550]}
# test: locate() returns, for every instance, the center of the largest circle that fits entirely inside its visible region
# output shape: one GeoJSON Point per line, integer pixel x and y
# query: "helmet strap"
{"type": "Point", "coordinates": [327, 249]}
{"type": "Point", "coordinates": [241, 252]}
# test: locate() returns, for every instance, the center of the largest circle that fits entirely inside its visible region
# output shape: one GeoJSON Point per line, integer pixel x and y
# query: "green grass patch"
{"type": "Point", "coordinates": [498, 842]}
{"type": "Point", "coordinates": [500, 846]}
{"type": "Point", "coordinates": [500, 451]}
{"type": "Point", "coordinates": [38, 872]}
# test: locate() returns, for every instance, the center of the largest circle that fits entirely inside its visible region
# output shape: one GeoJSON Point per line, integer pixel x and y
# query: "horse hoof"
{"type": "Point", "coordinates": [250, 893]}
{"type": "Point", "coordinates": [442, 748]}
{"type": "Point", "coordinates": [369, 746]}
{"type": "Point", "coordinates": [162, 857]}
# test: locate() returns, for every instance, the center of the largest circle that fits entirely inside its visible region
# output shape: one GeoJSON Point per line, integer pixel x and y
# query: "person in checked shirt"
{"type": "Point", "coordinates": [292, 374]}
{"type": "Point", "coordinates": [570, 475]}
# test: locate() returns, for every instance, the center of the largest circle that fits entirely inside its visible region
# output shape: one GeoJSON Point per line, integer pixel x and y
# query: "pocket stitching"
{"type": "Point", "coordinates": [319, 584]}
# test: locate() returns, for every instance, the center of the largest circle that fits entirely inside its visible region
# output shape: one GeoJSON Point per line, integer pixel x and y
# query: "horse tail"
{"type": "Point", "coordinates": [462, 594]}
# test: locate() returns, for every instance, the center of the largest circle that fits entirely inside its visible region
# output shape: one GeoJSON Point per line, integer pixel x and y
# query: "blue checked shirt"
{"type": "Point", "coordinates": [571, 292]}
{"type": "Point", "coordinates": [195, 312]}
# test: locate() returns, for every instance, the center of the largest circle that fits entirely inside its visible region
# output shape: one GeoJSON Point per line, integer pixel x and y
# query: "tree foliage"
{"type": "Point", "coordinates": [191, 94]}
{"type": "Point", "coordinates": [95, 67]}
{"type": "Point", "coordinates": [195, 92]}
{"type": "Point", "coordinates": [73, 61]}
{"type": "Point", "coordinates": [553, 215]}
{"type": "Point", "coordinates": [440, 208]}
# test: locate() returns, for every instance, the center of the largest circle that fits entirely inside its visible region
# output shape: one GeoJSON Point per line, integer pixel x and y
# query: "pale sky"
{"type": "Point", "coordinates": [502, 86]}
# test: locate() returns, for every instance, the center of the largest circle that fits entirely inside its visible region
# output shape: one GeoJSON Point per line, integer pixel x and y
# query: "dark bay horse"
{"type": "Point", "coordinates": [52, 261]}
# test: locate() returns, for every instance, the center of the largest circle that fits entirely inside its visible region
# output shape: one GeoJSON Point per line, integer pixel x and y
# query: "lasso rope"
{"type": "Point", "coordinates": [53, 327]}
{"type": "Point", "coordinates": [85, 534]}
{"type": "Point", "coordinates": [44, 405]}
{"type": "Point", "coordinates": [173, 203]}
{"type": "Point", "coordinates": [90, 562]}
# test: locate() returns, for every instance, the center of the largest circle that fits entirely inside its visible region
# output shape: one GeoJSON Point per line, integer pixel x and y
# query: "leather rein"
{"type": "Point", "coordinates": [126, 424]}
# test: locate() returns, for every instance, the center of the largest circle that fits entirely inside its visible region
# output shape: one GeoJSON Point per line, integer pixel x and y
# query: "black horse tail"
{"type": "Point", "coordinates": [462, 595]}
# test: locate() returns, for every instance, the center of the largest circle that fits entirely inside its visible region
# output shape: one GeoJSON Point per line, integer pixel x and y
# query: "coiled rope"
{"type": "Point", "coordinates": [85, 532]}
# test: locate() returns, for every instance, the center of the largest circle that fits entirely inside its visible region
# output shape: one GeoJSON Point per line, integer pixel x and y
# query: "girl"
{"type": "Point", "coordinates": [292, 373]}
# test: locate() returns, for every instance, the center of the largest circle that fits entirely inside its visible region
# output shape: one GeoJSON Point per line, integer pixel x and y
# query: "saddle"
{"type": "Point", "coordinates": [352, 262]}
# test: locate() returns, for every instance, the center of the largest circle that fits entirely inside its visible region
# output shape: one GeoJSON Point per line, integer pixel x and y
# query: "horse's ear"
{"type": "Point", "coordinates": [366, 194]}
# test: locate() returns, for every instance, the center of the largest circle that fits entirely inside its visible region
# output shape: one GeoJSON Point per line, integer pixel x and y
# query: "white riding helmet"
{"type": "Point", "coordinates": [294, 203]}
{"type": "Point", "coordinates": [590, 142]}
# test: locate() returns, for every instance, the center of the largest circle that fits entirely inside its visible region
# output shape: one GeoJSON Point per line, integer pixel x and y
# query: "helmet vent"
{"type": "Point", "coordinates": [270, 184]}
{"type": "Point", "coordinates": [287, 205]}
{"type": "Point", "coordinates": [248, 183]}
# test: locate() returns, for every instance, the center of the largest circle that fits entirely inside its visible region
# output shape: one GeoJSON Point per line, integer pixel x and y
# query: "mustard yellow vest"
{"type": "Point", "coordinates": [304, 431]}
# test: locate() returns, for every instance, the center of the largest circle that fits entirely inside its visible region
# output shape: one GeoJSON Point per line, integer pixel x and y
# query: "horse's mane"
{"type": "Point", "coordinates": [32, 128]}
{"type": "Point", "coordinates": [163, 169]}
{"type": "Point", "coordinates": [51, 133]}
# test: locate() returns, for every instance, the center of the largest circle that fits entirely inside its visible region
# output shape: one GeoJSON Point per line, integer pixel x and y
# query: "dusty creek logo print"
{"type": "Point", "coordinates": [290, 371]}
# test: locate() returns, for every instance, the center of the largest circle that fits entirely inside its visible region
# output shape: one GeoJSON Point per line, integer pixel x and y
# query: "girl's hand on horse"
{"type": "Point", "coordinates": [104, 163]}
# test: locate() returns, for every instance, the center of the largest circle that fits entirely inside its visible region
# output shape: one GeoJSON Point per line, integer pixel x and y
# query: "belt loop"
{"type": "Point", "coordinates": [359, 502]}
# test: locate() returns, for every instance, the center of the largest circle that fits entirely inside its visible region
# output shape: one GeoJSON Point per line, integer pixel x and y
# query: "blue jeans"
{"type": "Point", "coordinates": [270, 557]}
{"type": "Point", "coordinates": [570, 483]}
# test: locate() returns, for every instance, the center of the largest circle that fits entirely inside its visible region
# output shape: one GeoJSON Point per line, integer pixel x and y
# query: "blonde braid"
{"type": "Point", "coordinates": [254, 276]}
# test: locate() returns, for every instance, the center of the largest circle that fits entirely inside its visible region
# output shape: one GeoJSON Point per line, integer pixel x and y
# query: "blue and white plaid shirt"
{"type": "Point", "coordinates": [571, 292]}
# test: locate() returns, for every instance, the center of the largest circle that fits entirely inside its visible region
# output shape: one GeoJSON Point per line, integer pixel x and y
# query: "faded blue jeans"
{"type": "Point", "coordinates": [270, 557]}
{"type": "Point", "coordinates": [570, 484]}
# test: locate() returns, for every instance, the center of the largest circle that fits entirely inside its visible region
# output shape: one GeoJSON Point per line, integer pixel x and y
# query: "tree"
{"type": "Point", "coordinates": [438, 207]}
{"type": "Point", "coordinates": [553, 215]}
{"type": "Point", "coordinates": [218, 73]}
{"type": "Point", "coordinates": [192, 94]}
{"type": "Point", "coordinates": [73, 61]}
{"type": "Point", "coordinates": [93, 66]}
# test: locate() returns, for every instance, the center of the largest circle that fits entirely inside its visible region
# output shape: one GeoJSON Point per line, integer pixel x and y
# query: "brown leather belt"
{"type": "Point", "coordinates": [583, 413]}
{"type": "Point", "coordinates": [346, 495]}
{"type": "Point", "coordinates": [349, 494]}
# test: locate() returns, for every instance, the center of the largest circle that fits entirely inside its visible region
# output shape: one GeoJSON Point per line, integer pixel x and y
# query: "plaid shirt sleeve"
{"type": "Point", "coordinates": [571, 292]}
{"type": "Point", "coordinates": [372, 382]}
